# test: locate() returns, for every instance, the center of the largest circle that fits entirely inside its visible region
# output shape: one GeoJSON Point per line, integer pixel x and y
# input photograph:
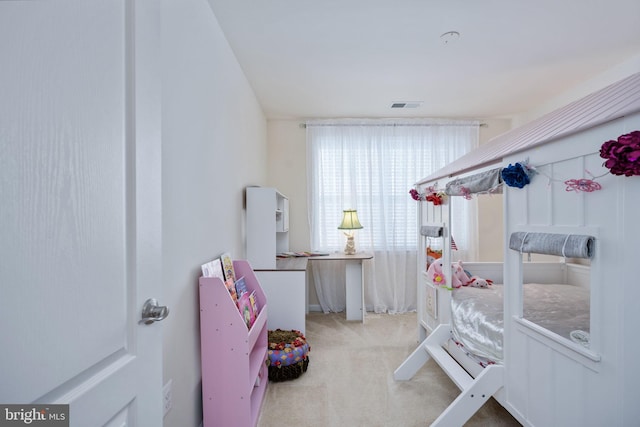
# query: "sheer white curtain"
{"type": "Point", "coordinates": [370, 165]}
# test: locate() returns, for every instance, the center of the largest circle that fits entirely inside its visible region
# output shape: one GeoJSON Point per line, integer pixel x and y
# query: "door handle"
{"type": "Point", "coordinates": [153, 312]}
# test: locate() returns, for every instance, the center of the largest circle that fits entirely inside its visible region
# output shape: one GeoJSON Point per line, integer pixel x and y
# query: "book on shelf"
{"type": "Point", "coordinates": [227, 266]}
{"type": "Point", "coordinates": [241, 287]}
{"type": "Point", "coordinates": [246, 302]}
{"type": "Point", "coordinates": [213, 269]}
{"type": "Point", "coordinates": [253, 299]}
{"type": "Point", "coordinates": [231, 287]}
{"type": "Point", "coordinates": [244, 306]}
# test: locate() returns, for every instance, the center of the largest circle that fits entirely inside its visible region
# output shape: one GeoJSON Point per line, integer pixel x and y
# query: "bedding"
{"type": "Point", "coordinates": [478, 323]}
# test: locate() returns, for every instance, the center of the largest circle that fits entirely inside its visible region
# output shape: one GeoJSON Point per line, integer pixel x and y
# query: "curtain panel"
{"type": "Point", "coordinates": [370, 165]}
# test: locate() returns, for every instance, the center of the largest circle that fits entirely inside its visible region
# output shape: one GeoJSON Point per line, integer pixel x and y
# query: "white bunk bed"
{"type": "Point", "coordinates": [545, 379]}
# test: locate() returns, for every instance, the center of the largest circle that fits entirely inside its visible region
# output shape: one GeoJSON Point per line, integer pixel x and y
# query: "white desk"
{"type": "Point", "coordinates": [354, 281]}
{"type": "Point", "coordinates": [287, 293]}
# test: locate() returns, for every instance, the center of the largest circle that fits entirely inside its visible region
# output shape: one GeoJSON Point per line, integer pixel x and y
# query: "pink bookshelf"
{"type": "Point", "coordinates": [234, 370]}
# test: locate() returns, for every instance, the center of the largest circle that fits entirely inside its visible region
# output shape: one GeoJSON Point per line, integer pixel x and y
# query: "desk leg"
{"type": "Point", "coordinates": [354, 288]}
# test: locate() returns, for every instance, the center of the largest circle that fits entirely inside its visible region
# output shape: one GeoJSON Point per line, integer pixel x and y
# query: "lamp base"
{"type": "Point", "coordinates": [350, 249]}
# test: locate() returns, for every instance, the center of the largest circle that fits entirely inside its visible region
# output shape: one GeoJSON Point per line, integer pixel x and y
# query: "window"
{"type": "Point", "coordinates": [556, 295]}
{"type": "Point", "coordinates": [371, 166]}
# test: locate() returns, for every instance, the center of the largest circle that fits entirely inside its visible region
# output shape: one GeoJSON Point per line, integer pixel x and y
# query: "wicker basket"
{"type": "Point", "coordinates": [288, 355]}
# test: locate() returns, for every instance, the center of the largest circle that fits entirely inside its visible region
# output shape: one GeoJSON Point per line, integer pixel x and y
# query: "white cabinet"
{"type": "Point", "coordinates": [287, 294]}
{"type": "Point", "coordinates": [267, 226]}
{"type": "Point", "coordinates": [284, 282]}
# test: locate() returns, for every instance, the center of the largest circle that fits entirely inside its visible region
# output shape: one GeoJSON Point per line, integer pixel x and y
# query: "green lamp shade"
{"type": "Point", "coordinates": [350, 220]}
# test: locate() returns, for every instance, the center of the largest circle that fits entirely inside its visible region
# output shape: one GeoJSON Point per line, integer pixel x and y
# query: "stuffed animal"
{"type": "Point", "coordinates": [479, 282]}
{"type": "Point", "coordinates": [474, 281]}
{"type": "Point", "coordinates": [435, 273]}
{"type": "Point", "coordinates": [458, 276]}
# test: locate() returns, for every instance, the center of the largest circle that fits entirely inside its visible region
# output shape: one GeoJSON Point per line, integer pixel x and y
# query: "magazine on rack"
{"type": "Point", "coordinates": [241, 287]}
{"type": "Point", "coordinates": [227, 267]}
{"type": "Point", "coordinates": [213, 269]}
{"type": "Point", "coordinates": [255, 310]}
{"type": "Point", "coordinates": [244, 305]}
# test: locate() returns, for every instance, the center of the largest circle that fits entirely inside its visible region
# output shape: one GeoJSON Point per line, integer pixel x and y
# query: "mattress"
{"type": "Point", "coordinates": [478, 323]}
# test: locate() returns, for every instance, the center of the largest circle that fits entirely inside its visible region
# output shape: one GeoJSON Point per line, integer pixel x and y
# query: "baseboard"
{"type": "Point", "coordinates": [315, 307]}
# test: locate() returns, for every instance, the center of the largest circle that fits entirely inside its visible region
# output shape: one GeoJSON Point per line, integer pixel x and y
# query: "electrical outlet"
{"type": "Point", "coordinates": [166, 397]}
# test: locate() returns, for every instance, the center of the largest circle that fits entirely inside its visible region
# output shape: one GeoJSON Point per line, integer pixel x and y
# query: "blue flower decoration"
{"type": "Point", "coordinates": [515, 175]}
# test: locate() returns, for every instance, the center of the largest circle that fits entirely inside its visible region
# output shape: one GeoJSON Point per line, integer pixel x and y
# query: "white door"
{"type": "Point", "coordinates": [80, 208]}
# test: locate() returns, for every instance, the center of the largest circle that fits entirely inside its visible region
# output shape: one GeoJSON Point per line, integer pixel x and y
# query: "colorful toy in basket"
{"type": "Point", "coordinates": [288, 355]}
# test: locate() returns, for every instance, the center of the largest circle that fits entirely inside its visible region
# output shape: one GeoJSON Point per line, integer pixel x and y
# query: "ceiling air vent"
{"type": "Point", "coordinates": [411, 104]}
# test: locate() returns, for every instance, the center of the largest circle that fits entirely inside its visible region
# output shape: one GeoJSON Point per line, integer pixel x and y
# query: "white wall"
{"type": "Point", "coordinates": [614, 74]}
{"type": "Point", "coordinates": [214, 145]}
{"type": "Point", "coordinates": [490, 223]}
{"type": "Point", "coordinates": [287, 171]}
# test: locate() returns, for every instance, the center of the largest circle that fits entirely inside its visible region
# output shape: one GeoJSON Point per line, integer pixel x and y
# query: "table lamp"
{"type": "Point", "coordinates": [350, 222]}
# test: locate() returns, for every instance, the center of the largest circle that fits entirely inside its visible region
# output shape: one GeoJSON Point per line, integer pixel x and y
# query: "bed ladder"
{"type": "Point", "coordinates": [475, 391]}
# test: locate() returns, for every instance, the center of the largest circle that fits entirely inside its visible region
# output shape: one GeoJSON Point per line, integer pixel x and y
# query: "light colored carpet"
{"type": "Point", "coordinates": [350, 382]}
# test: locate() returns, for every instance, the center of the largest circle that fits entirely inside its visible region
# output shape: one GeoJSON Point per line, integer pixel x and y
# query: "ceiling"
{"type": "Point", "coordinates": [355, 58]}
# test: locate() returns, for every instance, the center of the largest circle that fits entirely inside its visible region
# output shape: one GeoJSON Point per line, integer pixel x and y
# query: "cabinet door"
{"type": "Point", "coordinates": [286, 292]}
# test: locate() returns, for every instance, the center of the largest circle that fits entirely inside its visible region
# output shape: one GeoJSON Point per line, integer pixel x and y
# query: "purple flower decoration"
{"type": "Point", "coordinates": [515, 175]}
{"type": "Point", "coordinates": [415, 195]}
{"type": "Point", "coordinates": [623, 155]}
